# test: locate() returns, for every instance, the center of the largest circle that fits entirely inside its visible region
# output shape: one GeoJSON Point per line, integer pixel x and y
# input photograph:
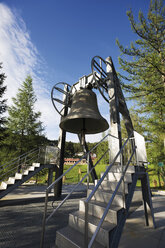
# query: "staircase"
{"type": "Point", "coordinates": [20, 169]}
{"type": "Point", "coordinates": [100, 218]}
{"type": "Point", "coordinates": [111, 229]}
{"type": "Point", "coordinates": [19, 178]}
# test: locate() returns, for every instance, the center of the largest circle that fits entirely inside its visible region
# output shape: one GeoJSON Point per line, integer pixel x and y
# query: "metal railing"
{"type": "Point", "coordinates": [86, 176]}
{"type": "Point", "coordinates": [19, 164]}
{"type": "Point", "coordinates": [124, 169]}
{"type": "Point", "coordinates": [86, 156]}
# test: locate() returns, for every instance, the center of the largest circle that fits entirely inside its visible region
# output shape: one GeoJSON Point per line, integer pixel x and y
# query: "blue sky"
{"type": "Point", "coordinates": [55, 40]}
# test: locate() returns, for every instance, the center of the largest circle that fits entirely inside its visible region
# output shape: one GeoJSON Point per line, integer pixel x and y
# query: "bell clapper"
{"type": "Point", "coordinates": [83, 136]}
{"type": "Point", "coordinates": [84, 150]}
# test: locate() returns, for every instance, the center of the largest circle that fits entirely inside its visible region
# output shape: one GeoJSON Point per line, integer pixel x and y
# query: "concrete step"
{"type": "Point", "coordinates": [71, 238]}
{"type": "Point", "coordinates": [36, 164]}
{"type": "Point", "coordinates": [105, 196]}
{"type": "Point", "coordinates": [11, 180]}
{"type": "Point", "coordinates": [116, 176]}
{"type": "Point", "coordinates": [26, 172]}
{"type": "Point", "coordinates": [118, 168]}
{"type": "Point", "coordinates": [97, 209]}
{"type": "Point", "coordinates": [3, 185]}
{"type": "Point", "coordinates": [31, 168]}
{"type": "Point", "coordinates": [18, 176]}
{"type": "Point", "coordinates": [107, 185]}
{"type": "Point", "coordinates": [77, 222]}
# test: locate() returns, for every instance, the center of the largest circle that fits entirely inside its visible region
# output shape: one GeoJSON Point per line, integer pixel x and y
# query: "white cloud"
{"type": "Point", "coordinates": [17, 52]}
{"type": "Point", "coordinates": [20, 58]}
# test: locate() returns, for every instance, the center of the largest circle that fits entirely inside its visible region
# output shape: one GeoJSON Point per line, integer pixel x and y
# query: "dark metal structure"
{"type": "Point", "coordinates": [77, 106]}
{"type": "Point", "coordinates": [117, 184]}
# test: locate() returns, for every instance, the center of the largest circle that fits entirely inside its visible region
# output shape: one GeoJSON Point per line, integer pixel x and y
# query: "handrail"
{"type": "Point", "coordinates": [16, 163]}
{"type": "Point", "coordinates": [93, 192]}
{"type": "Point", "coordinates": [57, 180]}
{"type": "Point", "coordinates": [76, 186]}
{"type": "Point", "coordinates": [27, 160]}
{"type": "Point", "coordinates": [107, 170]}
{"type": "Point", "coordinates": [84, 156]}
{"type": "Point", "coordinates": [110, 201]}
{"type": "Point", "coordinates": [45, 220]}
{"type": "Point", "coordinates": [16, 159]}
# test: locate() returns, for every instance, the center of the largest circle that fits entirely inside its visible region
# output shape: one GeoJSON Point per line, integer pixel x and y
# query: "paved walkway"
{"type": "Point", "coordinates": [136, 234]}
{"type": "Point", "coordinates": [21, 214]}
{"type": "Point", "coordinates": [21, 220]}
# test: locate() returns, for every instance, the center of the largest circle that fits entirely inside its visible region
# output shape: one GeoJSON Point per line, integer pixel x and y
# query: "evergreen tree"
{"type": "Point", "coordinates": [144, 64]}
{"type": "Point", "coordinates": [69, 150]}
{"type": "Point", "coordinates": [23, 122]}
{"type": "Point", "coordinates": [137, 122]}
{"type": "Point", "coordinates": [3, 105]}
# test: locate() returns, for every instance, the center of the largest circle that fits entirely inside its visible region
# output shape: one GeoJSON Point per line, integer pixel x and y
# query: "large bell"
{"type": "Point", "coordinates": [84, 116]}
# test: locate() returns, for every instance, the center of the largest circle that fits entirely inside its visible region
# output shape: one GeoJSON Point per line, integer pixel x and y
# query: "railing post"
{"type": "Point", "coordinates": [88, 171]}
{"type": "Point", "coordinates": [123, 184]}
{"type": "Point", "coordinates": [44, 220]}
{"type": "Point", "coordinates": [24, 166]}
{"type": "Point", "coordinates": [19, 168]}
{"type": "Point", "coordinates": [39, 151]}
{"type": "Point", "coordinates": [135, 155]}
{"type": "Point", "coordinates": [86, 226]}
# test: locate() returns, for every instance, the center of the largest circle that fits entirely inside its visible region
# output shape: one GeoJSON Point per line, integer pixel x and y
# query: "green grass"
{"type": "Point", "coordinates": [75, 175]}
{"type": "Point", "coordinates": [79, 171]}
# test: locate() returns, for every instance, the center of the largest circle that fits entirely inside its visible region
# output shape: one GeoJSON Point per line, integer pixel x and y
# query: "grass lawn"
{"type": "Point", "coordinates": [79, 171]}
{"type": "Point", "coordinates": [75, 175]}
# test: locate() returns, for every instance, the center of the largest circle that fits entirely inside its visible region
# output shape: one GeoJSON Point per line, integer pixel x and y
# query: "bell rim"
{"type": "Point", "coordinates": [103, 126]}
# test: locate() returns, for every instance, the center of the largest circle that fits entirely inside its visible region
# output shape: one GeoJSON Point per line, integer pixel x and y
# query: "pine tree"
{"type": "Point", "coordinates": [23, 121]}
{"type": "Point", "coordinates": [144, 66]}
{"type": "Point", "coordinates": [3, 105]}
{"type": "Point", "coordinates": [137, 122]}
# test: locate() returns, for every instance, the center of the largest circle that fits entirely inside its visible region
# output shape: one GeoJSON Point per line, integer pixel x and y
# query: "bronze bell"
{"type": "Point", "coordinates": [84, 116]}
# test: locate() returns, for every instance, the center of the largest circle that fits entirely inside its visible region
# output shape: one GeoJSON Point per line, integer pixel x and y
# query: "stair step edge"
{"type": "Point", "coordinates": [2, 188]}
{"type": "Point", "coordinates": [18, 175]}
{"type": "Point", "coordinates": [117, 168]}
{"type": "Point", "coordinates": [104, 205]}
{"type": "Point", "coordinates": [77, 222]}
{"type": "Point", "coordinates": [106, 191]}
{"type": "Point", "coordinates": [74, 239]}
{"type": "Point", "coordinates": [36, 164]}
{"type": "Point", "coordinates": [107, 226]}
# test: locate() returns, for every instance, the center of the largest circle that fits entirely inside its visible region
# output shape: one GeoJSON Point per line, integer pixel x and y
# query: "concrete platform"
{"type": "Point", "coordinates": [136, 234]}
{"type": "Point", "coordinates": [21, 215]}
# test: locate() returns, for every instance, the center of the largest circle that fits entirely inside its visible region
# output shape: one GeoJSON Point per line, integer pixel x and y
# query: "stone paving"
{"type": "Point", "coordinates": [136, 234]}
{"type": "Point", "coordinates": [21, 215]}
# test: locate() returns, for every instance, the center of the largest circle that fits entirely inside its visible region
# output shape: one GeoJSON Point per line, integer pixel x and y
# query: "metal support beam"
{"type": "Point", "coordinates": [50, 176]}
{"type": "Point", "coordinates": [61, 146]}
{"type": "Point", "coordinates": [148, 208]}
{"type": "Point", "coordinates": [59, 171]}
{"type": "Point", "coordinates": [115, 128]}
{"type": "Point", "coordinates": [93, 173]}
